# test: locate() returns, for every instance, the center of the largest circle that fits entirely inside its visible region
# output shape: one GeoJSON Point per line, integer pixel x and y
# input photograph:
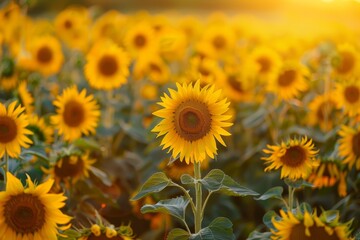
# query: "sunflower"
{"type": "Point", "coordinates": [176, 169]}
{"type": "Point", "coordinates": [346, 60]}
{"type": "Point", "coordinates": [172, 44]}
{"type": "Point", "coordinates": [296, 157]}
{"type": "Point", "coordinates": [323, 111]}
{"type": "Point", "coordinates": [25, 98]}
{"type": "Point", "coordinates": [154, 67]}
{"type": "Point", "coordinates": [348, 96]}
{"type": "Point", "coordinates": [308, 226]}
{"type": "Point", "coordinates": [13, 130]}
{"type": "Point", "coordinates": [107, 66]}
{"type": "Point", "coordinates": [193, 119]}
{"type": "Point", "coordinates": [76, 113]}
{"type": "Point", "coordinates": [206, 70]}
{"type": "Point", "coordinates": [42, 131]}
{"type": "Point", "coordinates": [350, 146]}
{"type": "Point", "coordinates": [290, 81]}
{"type": "Point", "coordinates": [327, 174]}
{"type": "Point", "coordinates": [31, 212]}
{"type": "Point", "coordinates": [221, 38]}
{"type": "Point", "coordinates": [8, 74]}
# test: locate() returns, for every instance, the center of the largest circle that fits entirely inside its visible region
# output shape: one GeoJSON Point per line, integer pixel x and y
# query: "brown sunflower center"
{"type": "Point", "coordinates": [294, 156]}
{"type": "Point", "coordinates": [8, 129]}
{"type": "Point", "coordinates": [24, 213]}
{"type": "Point", "coordinates": [219, 42]}
{"type": "Point", "coordinates": [356, 144]}
{"type": "Point", "coordinates": [324, 110]}
{"type": "Point", "coordinates": [204, 71]}
{"type": "Point", "coordinates": [286, 78]}
{"type": "Point", "coordinates": [298, 233]}
{"type": "Point", "coordinates": [192, 120]}
{"type": "Point", "coordinates": [352, 94]}
{"type": "Point", "coordinates": [44, 55]}
{"type": "Point", "coordinates": [68, 24]}
{"type": "Point", "coordinates": [68, 167]}
{"type": "Point", "coordinates": [235, 84]}
{"type": "Point", "coordinates": [155, 68]}
{"type": "Point", "coordinates": [140, 40]}
{"type": "Point", "coordinates": [74, 113]}
{"type": "Point", "coordinates": [108, 65]}
{"type": "Point", "coordinates": [347, 62]}
{"type": "Point", "coordinates": [103, 237]}
{"type": "Point", "coordinates": [265, 64]}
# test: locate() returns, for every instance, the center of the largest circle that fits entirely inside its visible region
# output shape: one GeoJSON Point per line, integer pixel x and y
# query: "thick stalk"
{"type": "Point", "coordinates": [291, 198]}
{"type": "Point", "coordinates": [198, 195]}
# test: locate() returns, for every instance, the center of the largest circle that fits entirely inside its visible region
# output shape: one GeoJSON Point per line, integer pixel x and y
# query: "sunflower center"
{"type": "Point", "coordinates": [235, 84]}
{"type": "Point", "coordinates": [24, 213]}
{"type": "Point", "coordinates": [356, 144]}
{"type": "Point", "coordinates": [219, 42]}
{"type": "Point", "coordinates": [204, 71]}
{"type": "Point", "coordinates": [298, 233]}
{"type": "Point", "coordinates": [325, 109]}
{"type": "Point", "coordinates": [140, 40]}
{"type": "Point", "coordinates": [8, 129]}
{"type": "Point", "coordinates": [192, 120]}
{"type": "Point", "coordinates": [265, 64]}
{"type": "Point", "coordinates": [294, 156]}
{"type": "Point", "coordinates": [155, 68]}
{"type": "Point", "coordinates": [108, 65]}
{"type": "Point", "coordinates": [68, 24]}
{"type": "Point", "coordinates": [44, 55]}
{"type": "Point", "coordinates": [347, 62]}
{"type": "Point", "coordinates": [74, 113]}
{"type": "Point", "coordinates": [69, 167]}
{"type": "Point", "coordinates": [352, 94]}
{"type": "Point", "coordinates": [286, 78]}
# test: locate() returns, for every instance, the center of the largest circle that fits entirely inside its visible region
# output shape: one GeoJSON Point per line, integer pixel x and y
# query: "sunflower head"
{"type": "Point", "coordinates": [31, 212]}
{"type": "Point", "coordinates": [25, 97]}
{"type": "Point", "coordinates": [266, 61]}
{"type": "Point", "coordinates": [346, 61]}
{"type": "Point", "coordinates": [349, 147]}
{"type": "Point", "coordinates": [193, 119]}
{"type": "Point", "coordinates": [154, 68]}
{"type": "Point", "coordinates": [42, 131]}
{"type": "Point", "coordinates": [348, 96]}
{"type": "Point", "coordinates": [295, 157]}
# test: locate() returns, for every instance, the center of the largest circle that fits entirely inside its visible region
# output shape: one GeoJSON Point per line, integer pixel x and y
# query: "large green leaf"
{"type": "Point", "coordinates": [217, 180]}
{"type": "Point", "coordinates": [219, 229]}
{"type": "Point", "coordinates": [275, 192]}
{"type": "Point", "coordinates": [175, 207]}
{"type": "Point", "coordinates": [178, 234]}
{"type": "Point", "coordinates": [156, 183]}
{"type": "Point", "coordinates": [259, 236]}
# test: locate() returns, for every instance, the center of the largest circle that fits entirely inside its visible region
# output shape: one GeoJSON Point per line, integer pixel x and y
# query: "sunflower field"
{"type": "Point", "coordinates": [184, 120]}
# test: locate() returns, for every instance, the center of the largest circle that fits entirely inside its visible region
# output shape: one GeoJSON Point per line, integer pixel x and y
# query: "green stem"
{"type": "Point", "coordinates": [205, 202]}
{"type": "Point", "coordinates": [193, 208]}
{"type": "Point", "coordinates": [291, 197]}
{"type": "Point", "coordinates": [6, 167]}
{"type": "Point", "coordinates": [198, 194]}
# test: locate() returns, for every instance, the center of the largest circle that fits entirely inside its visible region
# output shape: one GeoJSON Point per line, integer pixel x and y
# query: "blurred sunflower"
{"type": "Point", "coordinates": [172, 44]}
{"type": "Point", "coordinates": [191, 26]}
{"type": "Point", "coordinates": [346, 60]}
{"type": "Point", "coordinates": [25, 98]}
{"type": "Point", "coordinates": [42, 132]}
{"type": "Point", "coordinates": [10, 18]}
{"type": "Point", "coordinates": [68, 169]}
{"type": "Point", "coordinates": [140, 39]}
{"type": "Point", "coordinates": [266, 63]}
{"type": "Point", "coordinates": [154, 68]}
{"type": "Point", "coordinates": [306, 226]}
{"type": "Point", "coordinates": [323, 111]}
{"type": "Point", "coordinates": [32, 212]}
{"type": "Point", "coordinates": [350, 146]}
{"type": "Point", "coordinates": [107, 66]}
{"type": "Point", "coordinates": [290, 81]}
{"type": "Point", "coordinates": [76, 113]}
{"type": "Point", "coordinates": [13, 130]}
{"type": "Point", "coordinates": [221, 38]}
{"type": "Point", "coordinates": [8, 75]}
{"type": "Point", "coordinates": [295, 157]}
{"type": "Point", "coordinates": [348, 96]}
{"type": "Point", "coordinates": [101, 232]}
{"type": "Point", "coordinates": [327, 174]}
{"type": "Point", "coordinates": [192, 120]}
{"type": "Point", "coordinates": [206, 70]}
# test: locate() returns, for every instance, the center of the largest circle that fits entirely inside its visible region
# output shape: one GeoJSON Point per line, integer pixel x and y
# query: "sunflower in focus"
{"type": "Point", "coordinates": [327, 174]}
{"type": "Point", "coordinates": [107, 66]}
{"type": "Point", "coordinates": [307, 226]}
{"type": "Point", "coordinates": [193, 119]}
{"type": "Point", "coordinates": [154, 68]}
{"type": "Point", "coordinates": [77, 114]}
{"type": "Point", "coordinates": [323, 111]}
{"type": "Point", "coordinates": [349, 147]}
{"type": "Point", "coordinates": [42, 131]}
{"type": "Point", "coordinates": [295, 157]}
{"type": "Point", "coordinates": [290, 81]}
{"type": "Point", "coordinates": [25, 98]}
{"type": "Point", "coordinates": [346, 61]}
{"type": "Point", "coordinates": [68, 169]}
{"type": "Point", "coordinates": [348, 96]}
{"type": "Point", "coordinates": [31, 212]}
{"type": "Point", "coordinates": [13, 130]}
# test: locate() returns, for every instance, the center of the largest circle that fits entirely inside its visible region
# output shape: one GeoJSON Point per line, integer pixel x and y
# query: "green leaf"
{"type": "Point", "coordinates": [275, 192]}
{"type": "Point", "coordinates": [86, 144]}
{"type": "Point", "coordinates": [259, 236]}
{"type": "Point", "coordinates": [298, 183]}
{"type": "Point", "coordinates": [217, 180]}
{"type": "Point", "coordinates": [219, 229]}
{"type": "Point", "coordinates": [178, 234]}
{"type": "Point", "coordinates": [187, 179]}
{"type": "Point", "coordinates": [37, 154]}
{"type": "Point", "coordinates": [175, 207]}
{"type": "Point", "coordinates": [330, 216]}
{"type": "Point", "coordinates": [267, 219]}
{"type": "Point", "coordinates": [102, 176]}
{"type": "Point", "coordinates": [156, 183]}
